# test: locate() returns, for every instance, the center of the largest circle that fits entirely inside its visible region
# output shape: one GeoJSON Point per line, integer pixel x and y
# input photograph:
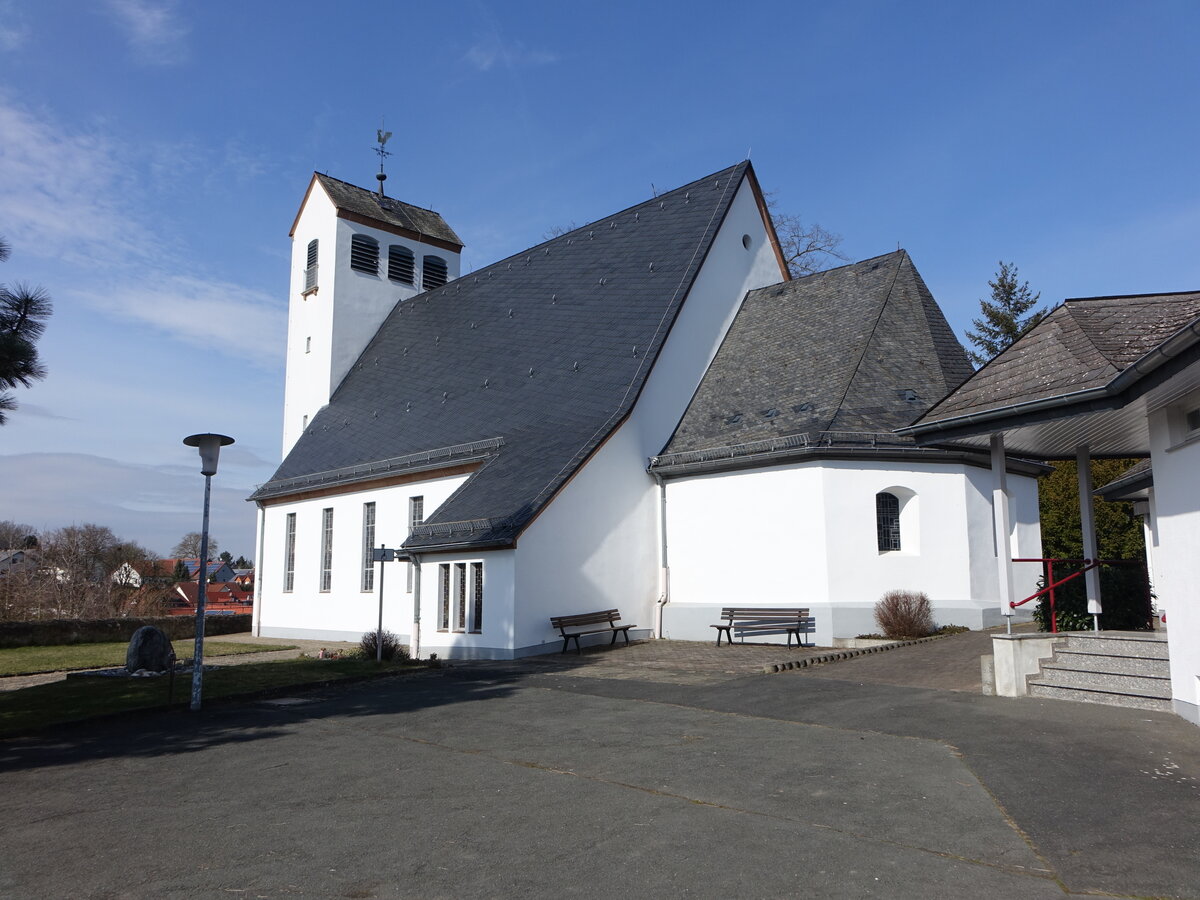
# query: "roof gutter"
{"type": "Point", "coordinates": [1107, 397]}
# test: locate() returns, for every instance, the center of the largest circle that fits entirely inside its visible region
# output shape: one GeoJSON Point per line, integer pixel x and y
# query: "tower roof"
{"type": "Point", "coordinates": [361, 204]}
{"type": "Point", "coordinates": [518, 371]}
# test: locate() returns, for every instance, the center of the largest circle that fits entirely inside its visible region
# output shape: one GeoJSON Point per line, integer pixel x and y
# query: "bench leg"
{"type": "Point", "coordinates": [728, 636]}
{"type": "Point", "coordinates": [566, 642]}
{"type": "Point", "coordinates": [614, 637]}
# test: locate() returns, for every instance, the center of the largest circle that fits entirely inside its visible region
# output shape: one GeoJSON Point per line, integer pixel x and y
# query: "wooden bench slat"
{"type": "Point", "coordinates": [763, 620]}
{"type": "Point", "coordinates": [610, 617]}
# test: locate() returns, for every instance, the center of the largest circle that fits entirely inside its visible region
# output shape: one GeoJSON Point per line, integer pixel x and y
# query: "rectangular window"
{"type": "Point", "coordinates": [1192, 421]}
{"type": "Point", "coordinates": [289, 553]}
{"type": "Point", "coordinates": [444, 593]}
{"type": "Point", "coordinates": [368, 573]}
{"type": "Point", "coordinates": [477, 597]}
{"type": "Point", "coordinates": [460, 596]}
{"type": "Point", "coordinates": [416, 515]}
{"type": "Point", "coordinates": [310, 269]}
{"type": "Point", "coordinates": [326, 548]}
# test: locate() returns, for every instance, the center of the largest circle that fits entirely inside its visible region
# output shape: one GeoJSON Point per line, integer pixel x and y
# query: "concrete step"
{"type": "Point", "coordinates": [1054, 692]}
{"type": "Point", "coordinates": [1117, 665]}
{"type": "Point", "coordinates": [1114, 682]}
{"type": "Point", "coordinates": [1148, 644]}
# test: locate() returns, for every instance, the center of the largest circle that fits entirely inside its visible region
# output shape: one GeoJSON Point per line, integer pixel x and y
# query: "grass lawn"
{"type": "Point", "coordinates": [65, 657]}
{"type": "Point", "coordinates": [81, 698]}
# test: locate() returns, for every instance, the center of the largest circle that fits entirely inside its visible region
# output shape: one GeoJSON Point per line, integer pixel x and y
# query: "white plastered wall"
{"type": "Point", "coordinates": [345, 611]}
{"type": "Point", "coordinates": [804, 534]}
{"type": "Point", "coordinates": [1176, 460]}
{"type": "Point", "coordinates": [596, 545]}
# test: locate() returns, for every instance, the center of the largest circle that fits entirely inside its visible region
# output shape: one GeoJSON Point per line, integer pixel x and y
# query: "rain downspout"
{"type": "Point", "coordinates": [415, 649]}
{"type": "Point", "coordinates": [664, 566]}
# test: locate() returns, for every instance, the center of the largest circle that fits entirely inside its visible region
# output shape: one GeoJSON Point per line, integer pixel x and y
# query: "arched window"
{"type": "Point", "coordinates": [434, 274]}
{"type": "Point", "coordinates": [887, 521]}
{"type": "Point", "coordinates": [310, 269]}
{"type": "Point", "coordinates": [401, 264]}
{"type": "Point", "coordinates": [364, 254]}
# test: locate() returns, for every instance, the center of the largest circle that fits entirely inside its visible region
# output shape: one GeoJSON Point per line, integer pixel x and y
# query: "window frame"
{"type": "Point", "coordinates": [416, 515]}
{"type": "Point", "coordinates": [887, 531]}
{"type": "Point", "coordinates": [368, 572]}
{"type": "Point", "coordinates": [326, 583]}
{"type": "Point", "coordinates": [289, 553]}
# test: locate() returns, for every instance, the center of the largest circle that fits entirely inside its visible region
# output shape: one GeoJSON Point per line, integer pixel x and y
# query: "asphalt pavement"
{"type": "Point", "coordinates": [577, 778]}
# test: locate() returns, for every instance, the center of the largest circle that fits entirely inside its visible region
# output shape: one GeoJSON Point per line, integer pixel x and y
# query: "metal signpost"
{"type": "Point", "coordinates": [382, 554]}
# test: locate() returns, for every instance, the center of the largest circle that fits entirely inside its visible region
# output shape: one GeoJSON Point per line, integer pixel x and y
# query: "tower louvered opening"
{"type": "Point", "coordinates": [434, 273]}
{"type": "Point", "coordinates": [401, 264]}
{"type": "Point", "coordinates": [310, 268]}
{"type": "Point", "coordinates": [364, 254]}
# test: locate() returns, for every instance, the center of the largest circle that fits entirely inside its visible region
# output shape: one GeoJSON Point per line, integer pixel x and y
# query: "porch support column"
{"type": "Point", "coordinates": [1001, 527]}
{"type": "Point", "coordinates": [1087, 524]}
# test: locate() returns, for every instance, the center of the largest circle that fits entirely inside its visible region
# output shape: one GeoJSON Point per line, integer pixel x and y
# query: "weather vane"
{"type": "Point", "coordinates": [382, 137]}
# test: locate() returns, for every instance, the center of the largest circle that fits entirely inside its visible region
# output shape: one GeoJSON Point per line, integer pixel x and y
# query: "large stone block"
{"type": "Point", "coordinates": [149, 649]}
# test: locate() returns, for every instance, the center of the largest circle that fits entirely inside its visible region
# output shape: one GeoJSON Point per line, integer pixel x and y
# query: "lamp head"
{"type": "Point", "coordinates": [210, 448]}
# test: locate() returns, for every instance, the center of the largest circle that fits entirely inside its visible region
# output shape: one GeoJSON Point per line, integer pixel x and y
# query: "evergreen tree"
{"type": "Point", "coordinates": [226, 557]}
{"type": "Point", "coordinates": [23, 313]}
{"type": "Point", "coordinates": [181, 571]}
{"type": "Point", "coordinates": [1005, 317]}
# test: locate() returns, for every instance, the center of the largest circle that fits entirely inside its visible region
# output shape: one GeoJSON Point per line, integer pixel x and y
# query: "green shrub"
{"type": "Point", "coordinates": [1122, 594]}
{"type": "Point", "coordinates": [905, 615]}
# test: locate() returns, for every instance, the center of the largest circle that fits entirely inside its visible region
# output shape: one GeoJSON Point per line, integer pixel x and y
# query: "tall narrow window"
{"type": "Point", "coordinates": [887, 521]}
{"type": "Point", "coordinates": [477, 597]}
{"type": "Point", "coordinates": [326, 548]}
{"type": "Point", "coordinates": [364, 254]}
{"type": "Point", "coordinates": [444, 593]}
{"type": "Point", "coordinates": [434, 273]}
{"type": "Point", "coordinates": [401, 264]}
{"type": "Point", "coordinates": [460, 596]}
{"type": "Point", "coordinates": [368, 573]}
{"type": "Point", "coordinates": [289, 553]}
{"type": "Point", "coordinates": [310, 270]}
{"type": "Point", "coordinates": [416, 515]}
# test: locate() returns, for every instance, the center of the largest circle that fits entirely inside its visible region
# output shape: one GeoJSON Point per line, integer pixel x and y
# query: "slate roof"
{"type": "Point", "coordinates": [840, 357]}
{"type": "Point", "coordinates": [359, 200]}
{"type": "Point", "coordinates": [526, 365]}
{"type": "Point", "coordinates": [1083, 345]}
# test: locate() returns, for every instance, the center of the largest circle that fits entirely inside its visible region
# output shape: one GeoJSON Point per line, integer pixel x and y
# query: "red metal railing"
{"type": "Point", "coordinates": [1051, 584]}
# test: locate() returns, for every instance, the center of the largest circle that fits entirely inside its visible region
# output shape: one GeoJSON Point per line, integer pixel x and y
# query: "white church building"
{"type": "Point", "coordinates": [645, 413]}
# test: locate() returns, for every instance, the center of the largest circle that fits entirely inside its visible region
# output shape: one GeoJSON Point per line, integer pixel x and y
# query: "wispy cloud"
{"type": "Point", "coordinates": [154, 29]}
{"type": "Point", "coordinates": [153, 505]}
{"type": "Point", "coordinates": [42, 412]}
{"type": "Point", "coordinates": [186, 308]}
{"type": "Point", "coordinates": [494, 51]}
{"type": "Point", "coordinates": [74, 196]}
{"type": "Point", "coordinates": [14, 32]}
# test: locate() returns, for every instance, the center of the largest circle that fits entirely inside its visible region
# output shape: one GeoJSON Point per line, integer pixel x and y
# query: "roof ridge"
{"type": "Point", "coordinates": [848, 265]}
{"type": "Point", "coordinates": [359, 187]}
{"type": "Point", "coordinates": [1192, 293]}
{"type": "Point", "coordinates": [866, 345]}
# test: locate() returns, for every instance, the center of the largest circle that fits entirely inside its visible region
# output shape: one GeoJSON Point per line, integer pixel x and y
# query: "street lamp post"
{"type": "Point", "coordinates": [210, 448]}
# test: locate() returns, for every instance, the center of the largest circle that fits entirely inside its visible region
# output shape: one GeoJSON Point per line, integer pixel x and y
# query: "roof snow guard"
{"type": "Point", "coordinates": [548, 350]}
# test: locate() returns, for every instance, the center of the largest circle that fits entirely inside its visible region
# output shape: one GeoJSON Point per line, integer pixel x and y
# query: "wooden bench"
{"type": "Point", "coordinates": [589, 623]}
{"type": "Point", "coordinates": [764, 620]}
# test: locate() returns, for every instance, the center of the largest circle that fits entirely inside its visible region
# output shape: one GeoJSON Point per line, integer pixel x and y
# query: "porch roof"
{"type": "Point", "coordinates": [1087, 374]}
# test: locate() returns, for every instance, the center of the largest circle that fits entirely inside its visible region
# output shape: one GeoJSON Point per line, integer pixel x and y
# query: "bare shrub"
{"type": "Point", "coordinates": [392, 648]}
{"type": "Point", "coordinates": [905, 615]}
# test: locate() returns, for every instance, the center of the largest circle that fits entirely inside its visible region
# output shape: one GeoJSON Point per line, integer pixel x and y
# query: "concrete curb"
{"type": "Point", "coordinates": [837, 655]}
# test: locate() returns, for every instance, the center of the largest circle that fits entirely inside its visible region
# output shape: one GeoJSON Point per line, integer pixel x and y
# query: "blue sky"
{"type": "Point", "coordinates": [153, 156]}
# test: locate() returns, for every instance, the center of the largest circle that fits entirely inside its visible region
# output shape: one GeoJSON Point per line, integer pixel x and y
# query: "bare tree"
{"type": "Point", "coordinates": [807, 247]}
{"type": "Point", "coordinates": [189, 546]}
{"type": "Point", "coordinates": [17, 535]}
{"type": "Point", "coordinates": [557, 231]}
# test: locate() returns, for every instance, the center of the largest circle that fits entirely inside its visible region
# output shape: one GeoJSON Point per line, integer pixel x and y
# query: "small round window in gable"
{"type": "Point", "coordinates": [746, 242]}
